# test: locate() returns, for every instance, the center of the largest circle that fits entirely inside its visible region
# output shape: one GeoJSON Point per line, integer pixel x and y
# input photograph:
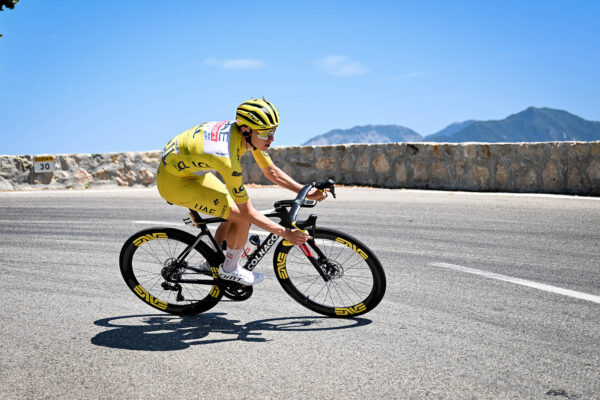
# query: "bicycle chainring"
{"type": "Point", "coordinates": [236, 291]}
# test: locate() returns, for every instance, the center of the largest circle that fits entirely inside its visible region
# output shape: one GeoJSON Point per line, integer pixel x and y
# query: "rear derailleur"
{"type": "Point", "coordinates": [175, 287]}
{"type": "Point", "coordinates": [172, 270]}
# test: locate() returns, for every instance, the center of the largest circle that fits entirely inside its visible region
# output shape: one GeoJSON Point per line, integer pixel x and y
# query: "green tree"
{"type": "Point", "coordinates": [8, 4]}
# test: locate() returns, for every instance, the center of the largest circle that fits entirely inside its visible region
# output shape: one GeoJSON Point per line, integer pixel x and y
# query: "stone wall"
{"type": "Point", "coordinates": [553, 167]}
{"type": "Point", "coordinates": [80, 171]}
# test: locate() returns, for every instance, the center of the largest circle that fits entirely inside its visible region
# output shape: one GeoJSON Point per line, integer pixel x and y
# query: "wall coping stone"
{"type": "Point", "coordinates": [530, 167]}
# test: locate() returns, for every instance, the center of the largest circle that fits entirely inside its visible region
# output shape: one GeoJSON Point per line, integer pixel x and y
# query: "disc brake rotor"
{"type": "Point", "coordinates": [334, 269]}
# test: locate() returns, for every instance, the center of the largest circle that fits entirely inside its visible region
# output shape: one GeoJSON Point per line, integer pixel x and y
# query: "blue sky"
{"type": "Point", "coordinates": [95, 77]}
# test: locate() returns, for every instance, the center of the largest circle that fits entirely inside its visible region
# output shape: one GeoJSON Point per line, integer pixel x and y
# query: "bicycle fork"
{"type": "Point", "coordinates": [315, 261]}
{"type": "Point", "coordinates": [322, 259]}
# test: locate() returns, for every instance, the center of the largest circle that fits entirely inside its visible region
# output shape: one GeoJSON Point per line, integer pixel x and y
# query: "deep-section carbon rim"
{"type": "Point", "coordinates": [149, 257]}
{"type": "Point", "coordinates": [356, 279]}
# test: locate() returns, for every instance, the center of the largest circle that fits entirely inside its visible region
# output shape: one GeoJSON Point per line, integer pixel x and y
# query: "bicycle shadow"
{"type": "Point", "coordinates": [158, 332]}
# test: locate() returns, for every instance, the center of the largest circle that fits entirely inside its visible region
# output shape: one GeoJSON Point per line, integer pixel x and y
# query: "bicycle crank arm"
{"type": "Point", "coordinates": [195, 281]}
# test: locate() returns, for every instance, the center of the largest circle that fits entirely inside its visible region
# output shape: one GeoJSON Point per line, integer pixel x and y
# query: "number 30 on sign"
{"type": "Point", "coordinates": [43, 164]}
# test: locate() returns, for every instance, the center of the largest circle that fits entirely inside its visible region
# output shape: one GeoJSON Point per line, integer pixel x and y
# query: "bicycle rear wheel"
{"type": "Point", "coordinates": [355, 278]}
{"type": "Point", "coordinates": [150, 255]}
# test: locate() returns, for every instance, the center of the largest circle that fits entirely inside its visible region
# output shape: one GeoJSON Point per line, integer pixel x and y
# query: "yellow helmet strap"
{"type": "Point", "coordinates": [248, 137]}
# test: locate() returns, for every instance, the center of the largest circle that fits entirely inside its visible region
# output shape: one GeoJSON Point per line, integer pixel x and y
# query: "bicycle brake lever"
{"type": "Point", "coordinates": [300, 229]}
{"type": "Point", "coordinates": [331, 186]}
{"type": "Point", "coordinates": [288, 243]}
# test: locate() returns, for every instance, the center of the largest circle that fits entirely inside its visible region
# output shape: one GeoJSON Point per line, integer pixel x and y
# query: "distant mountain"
{"type": "Point", "coordinates": [366, 134]}
{"type": "Point", "coordinates": [530, 125]}
{"type": "Point", "coordinates": [449, 130]}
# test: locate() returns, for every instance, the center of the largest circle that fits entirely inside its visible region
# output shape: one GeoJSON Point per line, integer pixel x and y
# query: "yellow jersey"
{"type": "Point", "coordinates": [213, 146]}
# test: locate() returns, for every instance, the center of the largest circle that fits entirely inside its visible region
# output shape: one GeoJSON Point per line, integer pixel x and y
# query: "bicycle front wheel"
{"type": "Point", "coordinates": [351, 282]}
{"type": "Point", "coordinates": [150, 269]}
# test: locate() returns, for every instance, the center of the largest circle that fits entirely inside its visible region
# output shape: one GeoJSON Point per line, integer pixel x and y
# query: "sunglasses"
{"type": "Point", "coordinates": [265, 134]}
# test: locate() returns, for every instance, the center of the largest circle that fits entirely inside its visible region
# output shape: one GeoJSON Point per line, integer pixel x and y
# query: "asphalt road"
{"type": "Point", "coordinates": [489, 296]}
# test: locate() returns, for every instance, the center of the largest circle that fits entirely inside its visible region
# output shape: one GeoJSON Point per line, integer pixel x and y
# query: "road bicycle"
{"type": "Point", "coordinates": [332, 274]}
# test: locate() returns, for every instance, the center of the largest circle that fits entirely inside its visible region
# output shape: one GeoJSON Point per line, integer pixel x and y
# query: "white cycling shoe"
{"type": "Point", "coordinates": [241, 275]}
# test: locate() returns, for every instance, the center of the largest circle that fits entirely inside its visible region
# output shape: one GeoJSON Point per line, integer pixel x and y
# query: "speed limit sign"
{"type": "Point", "coordinates": [43, 164]}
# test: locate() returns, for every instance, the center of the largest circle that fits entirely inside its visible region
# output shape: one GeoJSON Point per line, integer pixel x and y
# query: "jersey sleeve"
{"type": "Point", "coordinates": [262, 158]}
{"type": "Point", "coordinates": [234, 183]}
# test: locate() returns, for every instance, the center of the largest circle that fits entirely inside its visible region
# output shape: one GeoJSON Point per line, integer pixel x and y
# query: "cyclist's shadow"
{"type": "Point", "coordinates": [162, 332]}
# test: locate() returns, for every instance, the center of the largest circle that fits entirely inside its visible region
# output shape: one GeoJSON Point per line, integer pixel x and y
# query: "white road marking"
{"type": "Point", "coordinates": [158, 223]}
{"type": "Point", "coordinates": [92, 191]}
{"type": "Point", "coordinates": [522, 282]}
{"type": "Point", "coordinates": [257, 232]}
{"type": "Point", "coordinates": [45, 191]}
{"type": "Point", "coordinates": [212, 227]}
{"type": "Point", "coordinates": [501, 194]}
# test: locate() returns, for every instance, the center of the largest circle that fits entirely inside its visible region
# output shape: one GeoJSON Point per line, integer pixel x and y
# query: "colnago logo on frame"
{"type": "Point", "coordinates": [263, 250]}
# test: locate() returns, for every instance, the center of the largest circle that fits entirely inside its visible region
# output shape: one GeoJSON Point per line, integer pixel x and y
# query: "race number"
{"type": "Point", "coordinates": [43, 164]}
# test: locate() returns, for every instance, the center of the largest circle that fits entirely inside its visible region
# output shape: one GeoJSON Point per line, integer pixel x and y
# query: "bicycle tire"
{"type": "Point", "coordinates": [354, 289]}
{"type": "Point", "coordinates": [147, 252]}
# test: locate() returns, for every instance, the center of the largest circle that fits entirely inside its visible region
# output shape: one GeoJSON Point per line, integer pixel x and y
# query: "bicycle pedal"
{"type": "Point", "coordinates": [237, 292]}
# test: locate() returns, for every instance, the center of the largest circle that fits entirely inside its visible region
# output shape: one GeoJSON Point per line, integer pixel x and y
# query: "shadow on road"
{"type": "Point", "coordinates": [167, 332]}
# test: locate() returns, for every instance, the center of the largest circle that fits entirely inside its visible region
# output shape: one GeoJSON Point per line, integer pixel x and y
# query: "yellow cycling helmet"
{"type": "Point", "coordinates": [258, 114]}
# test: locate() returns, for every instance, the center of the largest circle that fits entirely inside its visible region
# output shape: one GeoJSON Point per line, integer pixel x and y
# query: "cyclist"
{"type": "Point", "coordinates": [186, 177]}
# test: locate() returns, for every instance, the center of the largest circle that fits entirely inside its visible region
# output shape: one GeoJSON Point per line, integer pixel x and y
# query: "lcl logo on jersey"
{"type": "Point", "coordinates": [239, 192]}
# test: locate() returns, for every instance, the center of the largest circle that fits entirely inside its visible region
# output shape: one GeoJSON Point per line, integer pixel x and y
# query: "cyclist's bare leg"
{"type": "Point", "coordinates": [236, 238]}
{"type": "Point", "coordinates": [222, 232]}
{"type": "Point", "coordinates": [238, 229]}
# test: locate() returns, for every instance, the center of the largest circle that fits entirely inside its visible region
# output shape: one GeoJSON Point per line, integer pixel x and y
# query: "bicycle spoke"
{"type": "Point", "coordinates": [154, 255]}
{"type": "Point", "coordinates": [338, 289]}
{"type": "Point", "coordinates": [351, 288]}
{"type": "Point", "coordinates": [350, 281]}
{"type": "Point", "coordinates": [151, 254]}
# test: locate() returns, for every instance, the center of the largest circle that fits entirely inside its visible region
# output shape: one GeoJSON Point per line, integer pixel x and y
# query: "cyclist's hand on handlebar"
{"type": "Point", "coordinates": [296, 237]}
{"type": "Point", "coordinates": [316, 194]}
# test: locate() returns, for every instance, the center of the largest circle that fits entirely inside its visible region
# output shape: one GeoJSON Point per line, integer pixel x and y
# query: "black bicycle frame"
{"type": "Point", "coordinates": [259, 253]}
{"type": "Point", "coordinates": [266, 245]}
